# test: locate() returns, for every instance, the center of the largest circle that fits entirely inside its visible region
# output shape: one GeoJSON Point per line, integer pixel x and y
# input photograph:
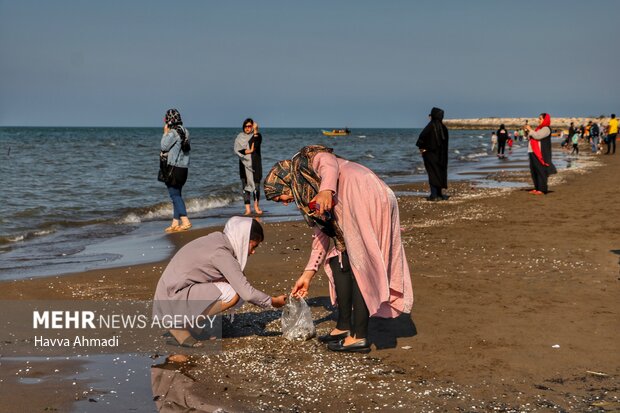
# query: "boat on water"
{"type": "Point", "coordinates": [336, 132]}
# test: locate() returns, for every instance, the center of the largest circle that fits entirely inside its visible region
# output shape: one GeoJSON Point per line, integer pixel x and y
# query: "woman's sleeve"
{"type": "Point", "coordinates": [320, 244]}
{"type": "Point", "coordinates": [540, 134]}
{"type": "Point", "coordinates": [231, 270]}
{"type": "Point", "coordinates": [326, 166]}
{"type": "Point", "coordinates": [168, 140]}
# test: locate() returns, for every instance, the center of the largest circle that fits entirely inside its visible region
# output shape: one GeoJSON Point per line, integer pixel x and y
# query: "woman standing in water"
{"type": "Point", "coordinates": [347, 203]}
{"type": "Point", "coordinates": [433, 144]}
{"type": "Point", "coordinates": [248, 149]}
{"type": "Point", "coordinates": [175, 147]}
{"type": "Point", "coordinates": [539, 152]}
{"type": "Point", "coordinates": [502, 138]}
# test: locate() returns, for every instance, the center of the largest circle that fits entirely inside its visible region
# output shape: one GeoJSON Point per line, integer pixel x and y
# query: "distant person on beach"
{"type": "Point", "coordinates": [539, 152]}
{"type": "Point", "coordinates": [433, 144]}
{"type": "Point", "coordinates": [575, 142]}
{"type": "Point", "coordinates": [347, 203]}
{"type": "Point", "coordinates": [206, 277]}
{"type": "Point", "coordinates": [247, 147]}
{"type": "Point", "coordinates": [595, 131]}
{"type": "Point", "coordinates": [569, 138]}
{"type": "Point", "coordinates": [612, 133]}
{"type": "Point", "coordinates": [493, 141]}
{"type": "Point", "coordinates": [502, 138]}
{"type": "Point", "coordinates": [175, 147]}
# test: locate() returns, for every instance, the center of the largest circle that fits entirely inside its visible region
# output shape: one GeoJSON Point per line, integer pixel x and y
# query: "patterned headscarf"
{"type": "Point", "coordinates": [174, 121]}
{"type": "Point", "coordinates": [298, 178]}
{"type": "Point", "coordinates": [173, 118]}
{"type": "Point", "coordinates": [278, 181]}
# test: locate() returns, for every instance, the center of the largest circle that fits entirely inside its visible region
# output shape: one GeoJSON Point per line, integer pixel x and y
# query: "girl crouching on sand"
{"type": "Point", "coordinates": [367, 268]}
{"type": "Point", "coordinates": [209, 270]}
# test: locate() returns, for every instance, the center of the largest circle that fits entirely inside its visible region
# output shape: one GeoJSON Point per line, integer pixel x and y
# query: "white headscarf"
{"type": "Point", "coordinates": [237, 230]}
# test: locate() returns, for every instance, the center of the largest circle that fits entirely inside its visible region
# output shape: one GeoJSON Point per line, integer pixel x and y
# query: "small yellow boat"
{"type": "Point", "coordinates": [336, 132]}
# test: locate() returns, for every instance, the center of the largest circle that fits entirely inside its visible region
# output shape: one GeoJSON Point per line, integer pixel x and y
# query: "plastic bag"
{"type": "Point", "coordinates": [297, 324]}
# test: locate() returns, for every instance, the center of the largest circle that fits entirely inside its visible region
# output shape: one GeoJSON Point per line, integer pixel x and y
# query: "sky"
{"type": "Point", "coordinates": [317, 63]}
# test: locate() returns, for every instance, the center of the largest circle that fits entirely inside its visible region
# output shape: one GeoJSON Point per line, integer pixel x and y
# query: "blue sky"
{"type": "Point", "coordinates": [304, 64]}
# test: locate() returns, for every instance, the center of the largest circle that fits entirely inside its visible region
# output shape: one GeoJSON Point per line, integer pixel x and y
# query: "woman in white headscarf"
{"type": "Point", "coordinates": [208, 272]}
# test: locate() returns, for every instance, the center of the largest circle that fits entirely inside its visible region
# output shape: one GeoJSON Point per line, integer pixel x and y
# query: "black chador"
{"type": "Point", "coordinates": [433, 141]}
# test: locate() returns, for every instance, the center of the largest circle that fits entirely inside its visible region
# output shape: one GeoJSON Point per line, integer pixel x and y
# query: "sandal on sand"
{"type": "Point", "coordinates": [190, 342]}
{"type": "Point", "coordinates": [184, 227]}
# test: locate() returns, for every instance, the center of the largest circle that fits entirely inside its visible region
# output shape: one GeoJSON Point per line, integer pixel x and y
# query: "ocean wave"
{"type": "Point", "coordinates": [472, 157]}
{"type": "Point", "coordinates": [164, 210]}
{"type": "Point", "coordinates": [24, 236]}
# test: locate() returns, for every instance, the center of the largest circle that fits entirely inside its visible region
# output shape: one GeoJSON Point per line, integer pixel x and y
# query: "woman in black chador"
{"type": "Point", "coordinates": [433, 144]}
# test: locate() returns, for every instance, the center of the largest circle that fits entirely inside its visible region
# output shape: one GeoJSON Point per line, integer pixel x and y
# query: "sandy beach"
{"type": "Point", "coordinates": [516, 309]}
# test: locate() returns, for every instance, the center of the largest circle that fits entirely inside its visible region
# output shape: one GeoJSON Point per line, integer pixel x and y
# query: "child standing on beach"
{"type": "Point", "coordinates": [493, 141]}
{"type": "Point", "coordinates": [575, 141]}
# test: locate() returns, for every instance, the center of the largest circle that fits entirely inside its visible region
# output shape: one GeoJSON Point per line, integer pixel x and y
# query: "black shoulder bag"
{"type": "Point", "coordinates": [166, 171]}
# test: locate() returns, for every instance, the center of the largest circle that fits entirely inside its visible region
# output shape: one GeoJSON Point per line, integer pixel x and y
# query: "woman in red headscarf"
{"type": "Point", "coordinates": [539, 151]}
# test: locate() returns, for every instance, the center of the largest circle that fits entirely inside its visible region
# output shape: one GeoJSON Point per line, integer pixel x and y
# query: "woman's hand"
{"type": "Point", "coordinates": [278, 301]}
{"type": "Point", "coordinates": [300, 290]}
{"type": "Point", "coordinates": [249, 151]}
{"type": "Point", "coordinates": [324, 199]}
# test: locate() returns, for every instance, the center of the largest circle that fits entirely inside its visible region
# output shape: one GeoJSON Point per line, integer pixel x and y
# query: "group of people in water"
{"type": "Point", "coordinates": [356, 230]}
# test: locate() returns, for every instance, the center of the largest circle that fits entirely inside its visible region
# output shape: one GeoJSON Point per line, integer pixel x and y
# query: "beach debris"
{"type": "Point", "coordinates": [297, 324]}
{"type": "Point", "coordinates": [555, 346]}
{"type": "Point", "coordinates": [597, 373]}
{"type": "Point", "coordinates": [406, 347]}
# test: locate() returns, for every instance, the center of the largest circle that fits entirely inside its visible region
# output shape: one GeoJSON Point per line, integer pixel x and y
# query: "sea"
{"type": "Point", "coordinates": [77, 199]}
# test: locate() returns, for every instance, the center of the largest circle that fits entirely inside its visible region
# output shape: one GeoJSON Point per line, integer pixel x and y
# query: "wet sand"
{"type": "Point", "coordinates": [516, 308]}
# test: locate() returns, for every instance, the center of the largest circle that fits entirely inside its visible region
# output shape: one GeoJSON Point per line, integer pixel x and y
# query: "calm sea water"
{"type": "Point", "coordinates": [68, 189]}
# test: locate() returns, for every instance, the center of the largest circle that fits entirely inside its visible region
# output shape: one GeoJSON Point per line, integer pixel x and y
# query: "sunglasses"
{"type": "Point", "coordinates": [249, 125]}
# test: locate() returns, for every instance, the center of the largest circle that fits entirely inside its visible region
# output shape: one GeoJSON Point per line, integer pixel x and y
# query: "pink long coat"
{"type": "Point", "coordinates": [367, 211]}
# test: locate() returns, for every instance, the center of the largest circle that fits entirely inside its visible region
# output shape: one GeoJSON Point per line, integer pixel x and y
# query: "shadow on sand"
{"type": "Point", "coordinates": [382, 332]}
